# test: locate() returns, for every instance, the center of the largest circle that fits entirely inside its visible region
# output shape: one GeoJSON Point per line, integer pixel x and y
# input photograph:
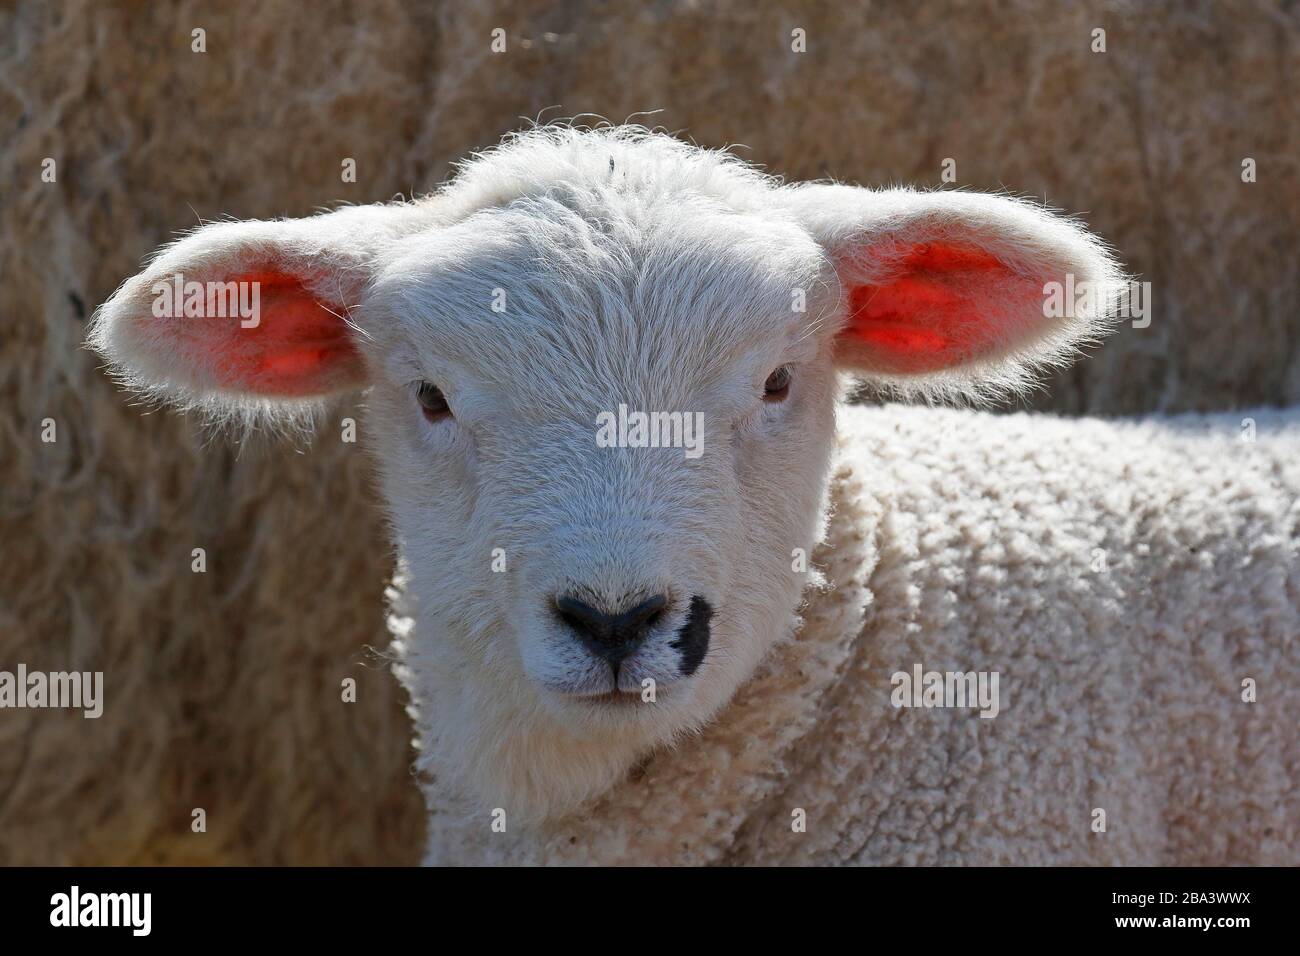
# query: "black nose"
{"type": "Point", "coordinates": [610, 636]}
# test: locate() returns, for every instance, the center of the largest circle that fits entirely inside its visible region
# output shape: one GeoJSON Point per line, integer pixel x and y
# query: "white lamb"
{"type": "Point", "coordinates": [602, 644]}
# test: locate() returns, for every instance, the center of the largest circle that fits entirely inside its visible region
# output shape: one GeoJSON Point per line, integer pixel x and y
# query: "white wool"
{"type": "Point", "coordinates": [570, 273]}
{"type": "Point", "coordinates": [964, 541]}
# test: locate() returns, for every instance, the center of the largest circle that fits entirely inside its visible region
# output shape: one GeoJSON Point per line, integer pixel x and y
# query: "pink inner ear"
{"type": "Point", "coordinates": [929, 315]}
{"type": "Point", "coordinates": [299, 347]}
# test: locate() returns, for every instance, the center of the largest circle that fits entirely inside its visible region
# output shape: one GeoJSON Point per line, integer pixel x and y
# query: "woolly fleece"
{"type": "Point", "coordinates": [965, 541]}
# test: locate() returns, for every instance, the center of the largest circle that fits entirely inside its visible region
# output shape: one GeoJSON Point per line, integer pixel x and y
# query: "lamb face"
{"type": "Point", "coordinates": [582, 597]}
{"type": "Point", "coordinates": [527, 524]}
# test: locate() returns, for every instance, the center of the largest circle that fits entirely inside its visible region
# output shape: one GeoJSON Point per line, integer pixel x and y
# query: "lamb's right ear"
{"type": "Point", "coordinates": [240, 311]}
{"type": "Point", "coordinates": [951, 294]}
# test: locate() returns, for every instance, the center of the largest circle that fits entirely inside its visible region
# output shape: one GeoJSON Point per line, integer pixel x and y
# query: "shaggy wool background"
{"type": "Point", "coordinates": [223, 689]}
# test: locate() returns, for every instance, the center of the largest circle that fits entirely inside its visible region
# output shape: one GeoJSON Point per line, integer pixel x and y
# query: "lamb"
{"type": "Point", "coordinates": [619, 652]}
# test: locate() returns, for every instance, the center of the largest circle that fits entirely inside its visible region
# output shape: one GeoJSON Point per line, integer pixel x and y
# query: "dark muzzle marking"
{"type": "Point", "coordinates": [693, 636]}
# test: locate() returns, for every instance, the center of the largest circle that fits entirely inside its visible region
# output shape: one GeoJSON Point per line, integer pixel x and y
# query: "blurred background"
{"type": "Point", "coordinates": [222, 689]}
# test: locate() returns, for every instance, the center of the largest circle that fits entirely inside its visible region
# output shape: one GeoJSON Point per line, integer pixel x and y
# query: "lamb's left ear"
{"type": "Point", "coordinates": [953, 291]}
{"type": "Point", "coordinates": [250, 314]}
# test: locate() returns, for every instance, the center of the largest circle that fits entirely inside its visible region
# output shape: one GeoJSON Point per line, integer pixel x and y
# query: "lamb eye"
{"type": "Point", "coordinates": [777, 386]}
{"type": "Point", "coordinates": [433, 402]}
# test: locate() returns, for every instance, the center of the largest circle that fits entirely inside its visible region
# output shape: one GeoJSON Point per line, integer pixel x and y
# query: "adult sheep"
{"type": "Point", "coordinates": [604, 641]}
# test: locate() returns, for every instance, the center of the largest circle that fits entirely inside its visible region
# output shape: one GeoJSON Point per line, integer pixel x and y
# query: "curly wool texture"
{"type": "Point", "coordinates": [962, 541]}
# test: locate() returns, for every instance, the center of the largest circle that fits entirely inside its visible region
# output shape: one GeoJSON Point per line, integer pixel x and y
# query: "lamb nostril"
{"type": "Point", "coordinates": [643, 616]}
{"type": "Point", "coordinates": [610, 636]}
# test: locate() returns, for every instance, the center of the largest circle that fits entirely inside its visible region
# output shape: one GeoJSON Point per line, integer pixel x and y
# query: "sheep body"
{"type": "Point", "coordinates": [965, 541]}
{"type": "Point", "coordinates": [1128, 584]}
